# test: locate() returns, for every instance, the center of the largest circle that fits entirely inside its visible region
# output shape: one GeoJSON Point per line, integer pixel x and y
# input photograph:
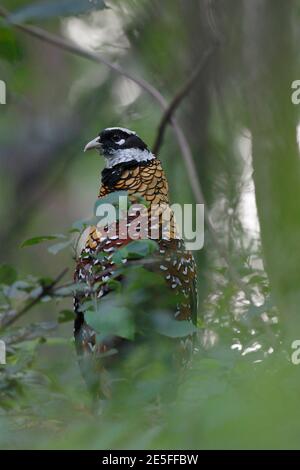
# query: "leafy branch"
{"type": "Point", "coordinates": [46, 290]}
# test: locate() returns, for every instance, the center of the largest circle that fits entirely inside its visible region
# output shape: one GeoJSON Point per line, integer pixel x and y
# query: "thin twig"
{"type": "Point", "coordinates": [180, 95]}
{"type": "Point", "coordinates": [46, 290]}
{"type": "Point", "coordinates": [66, 45]}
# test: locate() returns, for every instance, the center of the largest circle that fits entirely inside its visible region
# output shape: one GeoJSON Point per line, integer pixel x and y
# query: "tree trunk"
{"type": "Point", "coordinates": [273, 121]}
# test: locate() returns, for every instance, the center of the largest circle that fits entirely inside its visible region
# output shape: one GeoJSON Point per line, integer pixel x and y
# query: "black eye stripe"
{"type": "Point", "coordinates": [116, 136]}
{"type": "Point", "coordinates": [111, 138]}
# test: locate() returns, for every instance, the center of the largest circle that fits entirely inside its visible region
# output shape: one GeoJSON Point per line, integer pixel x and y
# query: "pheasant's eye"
{"type": "Point", "coordinates": [118, 140]}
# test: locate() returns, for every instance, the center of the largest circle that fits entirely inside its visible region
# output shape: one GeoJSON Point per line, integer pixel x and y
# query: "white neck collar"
{"type": "Point", "coordinates": [128, 155]}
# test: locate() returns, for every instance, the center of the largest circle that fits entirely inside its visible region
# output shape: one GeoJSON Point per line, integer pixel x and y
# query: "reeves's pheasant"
{"type": "Point", "coordinates": [131, 167]}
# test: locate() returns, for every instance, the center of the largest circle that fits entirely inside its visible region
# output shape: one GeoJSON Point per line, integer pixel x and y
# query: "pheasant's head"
{"type": "Point", "coordinates": [119, 145]}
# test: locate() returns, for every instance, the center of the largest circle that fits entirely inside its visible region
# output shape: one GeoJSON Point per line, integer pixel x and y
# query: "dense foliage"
{"type": "Point", "coordinates": [240, 389]}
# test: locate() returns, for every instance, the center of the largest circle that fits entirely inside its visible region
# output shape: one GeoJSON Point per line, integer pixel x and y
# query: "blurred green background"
{"type": "Point", "coordinates": [241, 390]}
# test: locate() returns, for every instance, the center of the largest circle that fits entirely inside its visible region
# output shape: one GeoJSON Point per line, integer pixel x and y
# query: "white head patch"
{"type": "Point", "coordinates": [123, 129]}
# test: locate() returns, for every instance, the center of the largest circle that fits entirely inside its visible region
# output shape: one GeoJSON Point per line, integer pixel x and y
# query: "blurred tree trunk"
{"type": "Point", "coordinates": [269, 38]}
{"type": "Point", "coordinates": [215, 160]}
{"type": "Point", "coordinates": [196, 110]}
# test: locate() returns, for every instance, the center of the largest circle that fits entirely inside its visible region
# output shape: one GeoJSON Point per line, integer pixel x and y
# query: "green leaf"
{"type": "Point", "coordinates": [136, 249]}
{"type": "Point", "coordinates": [119, 255]}
{"type": "Point", "coordinates": [110, 318]}
{"type": "Point", "coordinates": [36, 292]}
{"type": "Point", "coordinates": [49, 9]}
{"type": "Point", "coordinates": [8, 274]}
{"type": "Point", "coordinates": [72, 289]}
{"type": "Point", "coordinates": [114, 285]}
{"type": "Point", "coordinates": [166, 325]}
{"type": "Point", "coordinates": [99, 256]}
{"type": "Point", "coordinates": [85, 305]}
{"type": "Point", "coordinates": [141, 248]}
{"type": "Point", "coordinates": [80, 225]}
{"type": "Point", "coordinates": [111, 198]}
{"type": "Point", "coordinates": [65, 316]}
{"type": "Point", "coordinates": [45, 281]}
{"type": "Point", "coordinates": [54, 249]}
{"type": "Point", "coordinates": [41, 239]}
{"type": "Point", "coordinates": [138, 199]}
{"type": "Point", "coordinates": [23, 285]}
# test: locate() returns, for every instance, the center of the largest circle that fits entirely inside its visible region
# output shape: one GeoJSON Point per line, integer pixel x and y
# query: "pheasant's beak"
{"type": "Point", "coordinates": [93, 144]}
